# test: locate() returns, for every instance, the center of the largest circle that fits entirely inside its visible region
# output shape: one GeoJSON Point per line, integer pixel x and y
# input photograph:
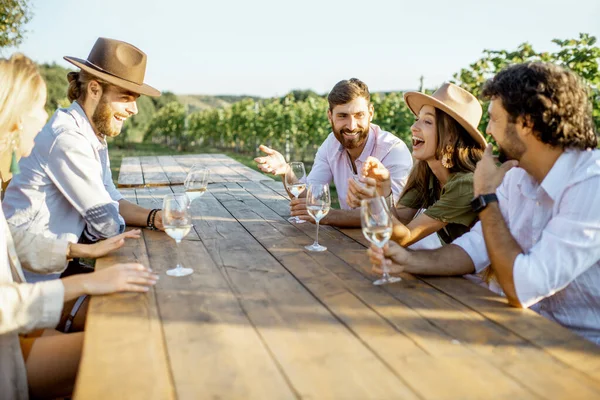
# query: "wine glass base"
{"type": "Point", "coordinates": [180, 271]}
{"type": "Point", "coordinates": [315, 247]}
{"type": "Point", "coordinates": [296, 220]}
{"type": "Point", "coordinates": [384, 281]}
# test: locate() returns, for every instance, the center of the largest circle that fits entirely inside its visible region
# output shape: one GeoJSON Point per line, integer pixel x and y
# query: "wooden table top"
{"type": "Point", "coordinates": [171, 170]}
{"type": "Point", "coordinates": [262, 318]}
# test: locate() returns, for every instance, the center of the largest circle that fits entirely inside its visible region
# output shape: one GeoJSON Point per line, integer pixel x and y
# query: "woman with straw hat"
{"type": "Point", "coordinates": [446, 146]}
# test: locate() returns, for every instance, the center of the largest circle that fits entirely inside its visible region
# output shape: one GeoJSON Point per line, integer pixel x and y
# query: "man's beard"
{"type": "Point", "coordinates": [514, 147]}
{"type": "Point", "coordinates": [102, 119]}
{"type": "Point", "coordinates": [351, 143]}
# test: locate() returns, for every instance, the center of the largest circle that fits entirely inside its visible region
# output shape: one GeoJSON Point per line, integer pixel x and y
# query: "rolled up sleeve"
{"type": "Point", "coordinates": [72, 168]}
{"type": "Point", "coordinates": [399, 162]}
{"type": "Point", "coordinates": [569, 246]}
{"type": "Point", "coordinates": [321, 171]}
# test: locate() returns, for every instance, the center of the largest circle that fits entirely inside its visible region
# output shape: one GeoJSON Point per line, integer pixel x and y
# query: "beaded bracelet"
{"type": "Point", "coordinates": [151, 218]}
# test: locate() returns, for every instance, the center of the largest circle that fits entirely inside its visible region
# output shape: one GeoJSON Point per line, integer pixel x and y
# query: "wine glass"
{"type": "Point", "coordinates": [177, 222]}
{"type": "Point", "coordinates": [295, 183]}
{"type": "Point", "coordinates": [376, 225]}
{"type": "Point", "coordinates": [196, 182]}
{"type": "Point", "coordinates": [318, 203]}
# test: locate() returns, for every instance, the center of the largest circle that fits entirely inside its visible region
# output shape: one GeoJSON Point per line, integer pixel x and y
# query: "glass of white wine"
{"type": "Point", "coordinates": [196, 182]}
{"type": "Point", "coordinates": [318, 203]}
{"type": "Point", "coordinates": [294, 180]}
{"type": "Point", "coordinates": [178, 223]}
{"type": "Point", "coordinates": [376, 225]}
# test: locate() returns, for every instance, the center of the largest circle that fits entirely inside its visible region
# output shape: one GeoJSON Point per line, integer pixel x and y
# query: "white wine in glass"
{"type": "Point", "coordinates": [196, 182]}
{"type": "Point", "coordinates": [318, 203]}
{"type": "Point", "coordinates": [377, 225]}
{"type": "Point", "coordinates": [294, 181]}
{"type": "Point", "coordinates": [178, 223]}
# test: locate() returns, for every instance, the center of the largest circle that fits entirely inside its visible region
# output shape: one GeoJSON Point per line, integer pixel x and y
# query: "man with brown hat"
{"type": "Point", "coordinates": [65, 189]}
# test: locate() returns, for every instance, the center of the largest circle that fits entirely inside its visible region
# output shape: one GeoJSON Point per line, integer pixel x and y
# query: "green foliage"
{"type": "Point", "coordinates": [57, 84]}
{"type": "Point", "coordinates": [164, 99]}
{"type": "Point", "coordinates": [580, 55]}
{"type": "Point", "coordinates": [168, 126]}
{"type": "Point", "coordinates": [136, 126]}
{"type": "Point", "coordinates": [14, 14]}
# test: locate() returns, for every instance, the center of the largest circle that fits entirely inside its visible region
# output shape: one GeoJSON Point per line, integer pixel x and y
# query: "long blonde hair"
{"type": "Point", "coordinates": [20, 84]}
{"type": "Point", "coordinates": [20, 87]}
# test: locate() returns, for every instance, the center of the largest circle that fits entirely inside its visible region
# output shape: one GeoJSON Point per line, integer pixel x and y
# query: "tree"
{"type": "Point", "coordinates": [164, 99]}
{"type": "Point", "coordinates": [580, 55]}
{"type": "Point", "coordinates": [168, 126]}
{"type": "Point", "coordinates": [57, 85]}
{"type": "Point", "coordinates": [13, 15]}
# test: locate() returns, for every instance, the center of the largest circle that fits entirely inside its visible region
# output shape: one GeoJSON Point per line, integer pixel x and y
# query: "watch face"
{"type": "Point", "coordinates": [477, 203]}
{"type": "Point", "coordinates": [481, 202]}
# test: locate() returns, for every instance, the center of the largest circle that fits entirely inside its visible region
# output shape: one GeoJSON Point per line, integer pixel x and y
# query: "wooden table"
{"type": "Point", "coordinates": [262, 318]}
{"type": "Point", "coordinates": [171, 170]}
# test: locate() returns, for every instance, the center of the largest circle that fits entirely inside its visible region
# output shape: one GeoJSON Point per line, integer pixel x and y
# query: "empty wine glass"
{"type": "Point", "coordinates": [178, 223]}
{"type": "Point", "coordinates": [196, 182]}
{"type": "Point", "coordinates": [318, 203]}
{"type": "Point", "coordinates": [295, 182]}
{"type": "Point", "coordinates": [376, 225]}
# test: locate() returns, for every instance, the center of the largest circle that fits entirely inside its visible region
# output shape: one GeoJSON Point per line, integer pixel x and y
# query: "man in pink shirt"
{"type": "Point", "coordinates": [346, 149]}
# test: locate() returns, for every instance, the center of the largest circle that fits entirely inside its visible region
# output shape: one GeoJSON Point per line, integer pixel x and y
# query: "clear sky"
{"type": "Point", "coordinates": [269, 47]}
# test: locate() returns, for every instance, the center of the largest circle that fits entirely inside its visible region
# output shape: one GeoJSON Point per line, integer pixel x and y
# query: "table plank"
{"type": "Point", "coordinates": [130, 173]}
{"type": "Point", "coordinates": [175, 172]}
{"type": "Point", "coordinates": [525, 359]}
{"type": "Point", "coordinates": [205, 160]}
{"type": "Point", "coordinates": [556, 340]}
{"type": "Point", "coordinates": [124, 342]}
{"type": "Point", "coordinates": [385, 336]}
{"type": "Point", "coordinates": [214, 350]}
{"type": "Point", "coordinates": [426, 297]}
{"type": "Point", "coordinates": [153, 172]}
{"type": "Point", "coordinates": [247, 172]}
{"type": "Point", "coordinates": [313, 348]}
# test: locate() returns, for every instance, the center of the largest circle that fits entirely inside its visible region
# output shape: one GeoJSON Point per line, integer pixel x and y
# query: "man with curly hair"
{"type": "Point", "coordinates": [539, 230]}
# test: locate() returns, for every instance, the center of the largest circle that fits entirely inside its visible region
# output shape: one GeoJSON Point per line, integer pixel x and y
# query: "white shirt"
{"type": "Point", "coordinates": [557, 224]}
{"type": "Point", "coordinates": [65, 187]}
{"type": "Point", "coordinates": [332, 162]}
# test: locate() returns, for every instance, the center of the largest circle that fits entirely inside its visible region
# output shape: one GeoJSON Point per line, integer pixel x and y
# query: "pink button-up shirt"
{"type": "Point", "coordinates": [332, 162]}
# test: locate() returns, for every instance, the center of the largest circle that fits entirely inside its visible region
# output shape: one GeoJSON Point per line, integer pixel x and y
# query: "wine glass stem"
{"type": "Point", "coordinates": [317, 238]}
{"type": "Point", "coordinates": [384, 268]}
{"type": "Point", "coordinates": [179, 266]}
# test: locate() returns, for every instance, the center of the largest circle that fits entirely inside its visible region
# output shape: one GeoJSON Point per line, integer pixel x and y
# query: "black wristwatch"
{"type": "Point", "coordinates": [481, 202]}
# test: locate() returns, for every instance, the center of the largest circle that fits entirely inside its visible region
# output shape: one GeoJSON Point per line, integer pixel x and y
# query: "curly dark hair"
{"type": "Point", "coordinates": [552, 98]}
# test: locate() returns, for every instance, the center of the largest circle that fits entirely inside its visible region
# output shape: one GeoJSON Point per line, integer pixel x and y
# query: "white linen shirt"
{"type": "Point", "coordinates": [332, 162]}
{"type": "Point", "coordinates": [557, 224]}
{"type": "Point", "coordinates": [65, 186]}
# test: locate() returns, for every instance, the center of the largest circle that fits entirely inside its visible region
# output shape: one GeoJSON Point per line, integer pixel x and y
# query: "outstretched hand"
{"type": "Point", "coordinates": [273, 163]}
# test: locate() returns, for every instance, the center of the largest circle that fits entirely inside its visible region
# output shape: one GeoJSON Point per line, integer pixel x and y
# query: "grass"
{"type": "Point", "coordinates": [116, 154]}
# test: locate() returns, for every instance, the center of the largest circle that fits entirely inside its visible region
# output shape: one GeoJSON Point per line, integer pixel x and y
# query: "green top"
{"type": "Point", "coordinates": [453, 206]}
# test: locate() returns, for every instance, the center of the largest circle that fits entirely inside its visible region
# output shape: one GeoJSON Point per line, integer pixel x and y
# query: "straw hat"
{"type": "Point", "coordinates": [454, 101]}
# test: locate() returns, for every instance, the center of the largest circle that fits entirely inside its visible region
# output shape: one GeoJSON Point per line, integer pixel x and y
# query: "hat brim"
{"type": "Point", "coordinates": [416, 100]}
{"type": "Point", "coordinates": [90, 68]}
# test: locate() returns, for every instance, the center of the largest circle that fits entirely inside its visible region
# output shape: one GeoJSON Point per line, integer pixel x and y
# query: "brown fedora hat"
{"type": "Point", "coordinates": [118, 63]}
{"type": "Point", "coordinates": [454, 101]}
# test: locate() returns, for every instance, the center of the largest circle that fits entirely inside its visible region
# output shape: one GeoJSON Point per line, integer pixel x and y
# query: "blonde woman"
{"type": "Point", "coordinates": [446, 146]}
{"type": "Point", "coordinates": [43, 364]}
